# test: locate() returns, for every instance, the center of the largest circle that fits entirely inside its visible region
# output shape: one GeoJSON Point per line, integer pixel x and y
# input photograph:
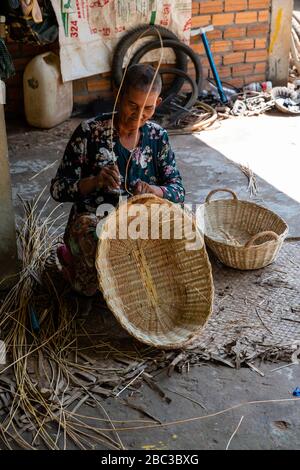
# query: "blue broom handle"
{"type": "Point", "coordinates": [214, 69]}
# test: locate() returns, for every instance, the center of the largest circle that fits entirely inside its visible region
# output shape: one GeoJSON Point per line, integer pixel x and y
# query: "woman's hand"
{"type": "Point", "coordinates": [109, 177]}
{"type": "Point", "coordinates": [144, 188]}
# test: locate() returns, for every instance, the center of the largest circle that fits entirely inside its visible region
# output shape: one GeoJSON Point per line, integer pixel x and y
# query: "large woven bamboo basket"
{"type": "Point", "coordinates": [160, 291]}
{"type": "Point", "coordinates": [242, 235]}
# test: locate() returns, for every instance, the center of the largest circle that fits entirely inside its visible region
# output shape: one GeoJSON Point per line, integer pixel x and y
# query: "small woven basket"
{"type": "Point", "coordinates": [242, 235]}
{"type": "Point", "coordinates": [159, 291]}
{"type": "Point", "coordinates": [280, 94]}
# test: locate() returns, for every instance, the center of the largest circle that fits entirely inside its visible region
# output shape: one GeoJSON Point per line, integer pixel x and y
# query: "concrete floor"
{"type": "Point", "coordinates": [206, 161]}
{"type": "Point", "coordinates": [269, 145]}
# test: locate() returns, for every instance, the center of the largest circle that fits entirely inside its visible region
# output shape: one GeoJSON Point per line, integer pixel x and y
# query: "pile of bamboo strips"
{"type": "Point", "coordinates": [45, 382]}
{"type": "Point", "coordinates": [59, 368]}
{"type": "Point", "coordinates": [200, 117]}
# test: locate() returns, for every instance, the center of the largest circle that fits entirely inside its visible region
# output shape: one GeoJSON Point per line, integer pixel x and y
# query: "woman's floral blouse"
{"type": "Point", "coordinates": [94, 145]}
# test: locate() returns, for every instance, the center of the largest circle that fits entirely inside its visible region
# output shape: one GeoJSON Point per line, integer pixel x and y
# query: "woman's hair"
{"type": "Point", "coordinates": [139, 77]}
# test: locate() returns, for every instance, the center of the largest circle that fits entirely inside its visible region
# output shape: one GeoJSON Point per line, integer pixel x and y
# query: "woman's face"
{"type": "Point", "coordinates": [136, 108]}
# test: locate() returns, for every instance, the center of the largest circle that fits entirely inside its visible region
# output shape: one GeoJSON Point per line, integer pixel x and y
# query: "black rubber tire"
{"type": "Point", "coordinates": [130, 37]}
{"type": "Point", "coordinates": [191, 100]}
{"type": "Point", "coordinates": [179, 46]}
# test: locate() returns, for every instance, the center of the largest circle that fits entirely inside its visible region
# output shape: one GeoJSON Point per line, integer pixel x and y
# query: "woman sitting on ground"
{"type": "Point", "coordinates": [133, 155]}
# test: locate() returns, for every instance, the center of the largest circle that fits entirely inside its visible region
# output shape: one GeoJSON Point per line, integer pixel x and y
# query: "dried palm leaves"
{"type": "Point", "coordinates": [42, 382]}
{"type": "Point", "coordinates": [56, 366]}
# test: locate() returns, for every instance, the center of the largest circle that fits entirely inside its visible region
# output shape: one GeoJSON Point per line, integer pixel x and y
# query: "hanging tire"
{"type": "Point", "coordinates": [133, 35]}
{"type": "Point", "coordinates": [179, 46]}
{"type": "Point", "coordinates": [191, 100]}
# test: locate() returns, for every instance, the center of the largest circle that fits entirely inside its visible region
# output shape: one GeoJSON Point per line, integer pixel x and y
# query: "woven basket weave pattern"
{"type": "Point", "coordinates": [229, 224]}
{"type": "Point", "coordinates": [160, 292]}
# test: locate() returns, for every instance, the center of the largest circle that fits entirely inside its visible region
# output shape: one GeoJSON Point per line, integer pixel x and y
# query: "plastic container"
{"type": "Point", "coordinates": [48, 101]}
{"type": "Point", "coordinates": [267, 86]}
{"type": "Point", "coordinates": [213, 90]}
{"type": "Point", "coordinates": [255, 86]}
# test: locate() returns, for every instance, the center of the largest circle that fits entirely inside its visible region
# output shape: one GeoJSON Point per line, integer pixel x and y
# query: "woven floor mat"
{"type": "Point", "coordinates": [255, 312]}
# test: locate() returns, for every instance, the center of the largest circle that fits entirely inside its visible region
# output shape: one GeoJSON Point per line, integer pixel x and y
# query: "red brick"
{"type": "Point", "coordinates": [198, 48]}
{"type": "Point", "coordinates": [195, 8]}
{"type": "Point", "coordinates": [232, 32]}
{"type": "Point", "coordinates": [203, 20]}
{"type": "Point", "coordinates": [220, 46]}
{"type": "Point", "coordinates": [255, 78]}
{"type": "Point", "coordinates": [237, 82]}
{"type": "Point", "coordinates": [215, 34]}
{"type": "Point", "coordinates": [85, 99]}
{"type": "Point", "coordinates": [235, 5]}
{"type": "Point", "coordinates": [256, 56]}
{"type": "Point", "coordinates": [222, 19]}
{"type": "Point", "coordinates": [224, 72]}
{"type": "Point", "coordinates": [258, 4]}
{"type": "Point", "coordinates": [80, 87]}
{"type": "Point", "coordinates": [217, 60]}
{"type": "Point", "coordinates": [105, 75]}
{"type": "Point", "coordinates": [211, 6]}
{"type": "Point", "coordinates": [260, 68]}
{"type": "Point", "coordinates": [263, 16]}
{"type": "Point", "coordinates": [243, 44]}
{"type": "Point", "coordinates": [257, 30]}
{"type": "Point", "coordinates": [246, 17]}
{"type": "Point", "coordinates": [233, 58]}
{"type": "Point", "coordinates": [241, 70]}
{"type": "Point", "coordinates": [261, 43]}
{"type": "Point", "coordinates": [95, 84]}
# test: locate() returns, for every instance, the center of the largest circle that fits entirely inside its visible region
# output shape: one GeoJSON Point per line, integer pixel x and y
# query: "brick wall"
{"type": "Point", "coordinates": [240, 38]}
{"type": "Point", "coordinates": [89, 89]}
{"type": "Point", "coordinates": [239, 44]}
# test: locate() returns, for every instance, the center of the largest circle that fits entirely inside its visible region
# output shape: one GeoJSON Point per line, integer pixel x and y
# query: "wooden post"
{"type": "Point", "coordinates": [8, 245]}
{"type": "Point", "coordinates": [280, 41]}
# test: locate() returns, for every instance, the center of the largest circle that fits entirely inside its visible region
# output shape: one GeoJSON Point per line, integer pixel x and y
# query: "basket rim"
{"type": "Point", "coordinates": [242, 247]}
{"type": "Point", "coordinates": [285, 110]}
{"type": "Point", "coordinates": [136, 331]}
{"type": "Point", "coordinates": [250, 203]}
